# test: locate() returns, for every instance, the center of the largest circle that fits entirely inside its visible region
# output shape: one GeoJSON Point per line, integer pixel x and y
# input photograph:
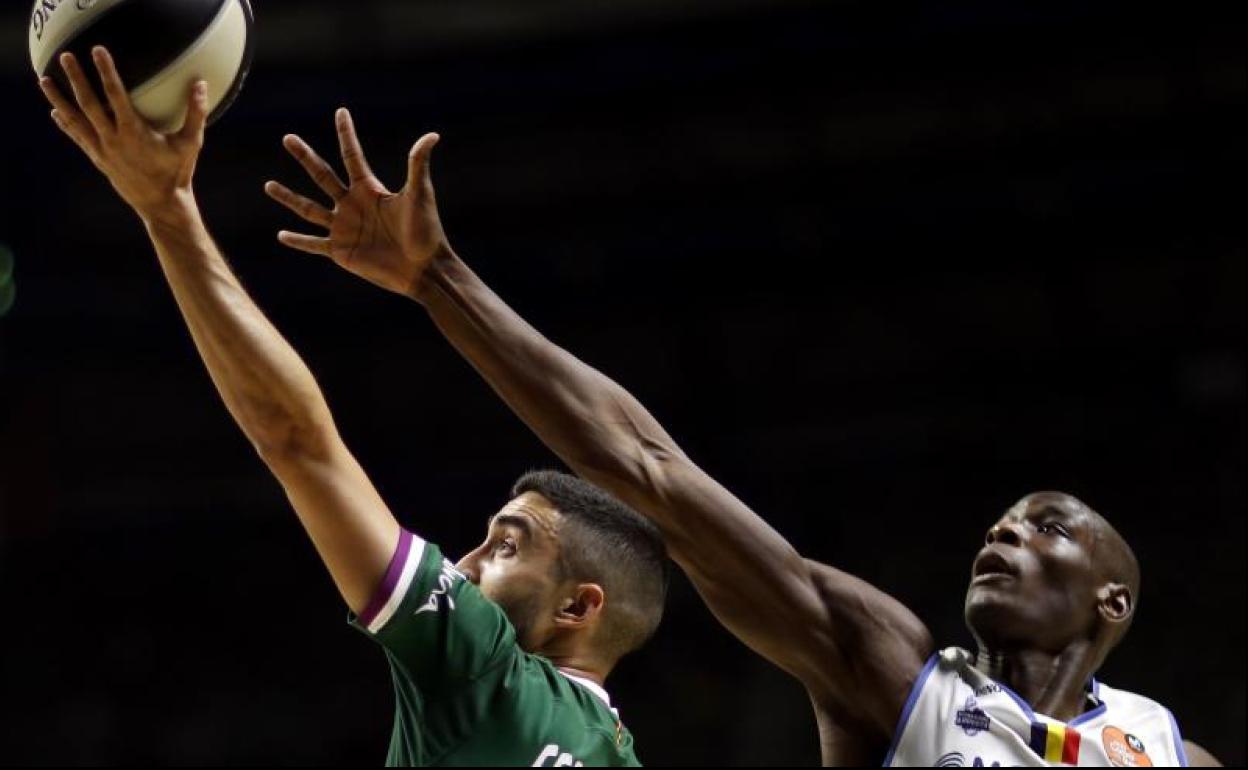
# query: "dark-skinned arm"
{"type": "Point", "coordinates": [844, 639]}
{"type": "Point", "coordinates": [1198, 756]}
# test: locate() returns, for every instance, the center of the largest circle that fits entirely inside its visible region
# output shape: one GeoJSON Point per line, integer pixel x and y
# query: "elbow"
{"type": "Point", "coordinates": [279, 439]}
{"type": "Point", "coordinates": [656, 480]}
{"type": "Point", "coordinates": [636, 463]}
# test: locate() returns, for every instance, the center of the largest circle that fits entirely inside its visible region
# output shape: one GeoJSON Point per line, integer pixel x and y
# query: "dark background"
{"type": "Point", "coordinates": [881, 270]}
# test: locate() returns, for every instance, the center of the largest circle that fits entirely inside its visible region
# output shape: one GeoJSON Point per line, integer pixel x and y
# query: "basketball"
{"type": "Point", "coordinates": [160, 47]}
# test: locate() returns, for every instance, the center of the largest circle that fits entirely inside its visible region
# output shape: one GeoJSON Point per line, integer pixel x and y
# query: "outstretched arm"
{"type": "Point", "coordinates": [1197, 756]}
{"type": "Point", "coordinates": [846, 640]}
{"type": "Point", "coordinates": [264, 383]}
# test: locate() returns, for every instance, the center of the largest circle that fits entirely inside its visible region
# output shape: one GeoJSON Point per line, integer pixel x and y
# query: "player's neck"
{"type": "Point", "coordinates": [572, 659]}
{"type": "Point", "coordinates": [572, 654]}
{"type": "Point", "coordinates": [597, 677]}
{"type": "Point", "coordinates": [1053, 684]}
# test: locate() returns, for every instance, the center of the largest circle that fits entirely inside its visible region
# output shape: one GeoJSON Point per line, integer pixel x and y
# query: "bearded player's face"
{"type": "Point", "coordinates": [517, 566]}
{"type": "Point", "coordinates": [1034, 583]}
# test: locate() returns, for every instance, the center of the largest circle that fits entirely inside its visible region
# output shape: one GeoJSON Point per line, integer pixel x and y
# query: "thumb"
{"type": "Point", "coordinates": [418, 162]}
{"type": "Point", "coordinates": [196, 115]}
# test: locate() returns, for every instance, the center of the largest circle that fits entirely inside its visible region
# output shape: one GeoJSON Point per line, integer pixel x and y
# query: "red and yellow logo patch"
{"type": "Point", "coordinates": [1124, 749]}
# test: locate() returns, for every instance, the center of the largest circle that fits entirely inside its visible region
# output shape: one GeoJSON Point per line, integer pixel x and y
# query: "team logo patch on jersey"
{"type": "Point", "coordinates": [971, 718]}
{"type": "Point", "coordinates": [446, 580]}
{"type": "Point", "coordinates": [1124, 749]}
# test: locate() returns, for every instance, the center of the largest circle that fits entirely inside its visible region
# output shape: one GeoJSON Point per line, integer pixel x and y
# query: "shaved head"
{"type": "Point", "coordinates": [1114, 559]}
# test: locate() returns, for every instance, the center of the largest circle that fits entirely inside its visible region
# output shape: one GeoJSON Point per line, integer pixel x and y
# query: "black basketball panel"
{"type": "Point", "coordinates": [144, 37]}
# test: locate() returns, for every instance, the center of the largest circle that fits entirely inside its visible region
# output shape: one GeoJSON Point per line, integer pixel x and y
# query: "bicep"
{"type": "Point", "coordinates": [351, 527]}
{"type": "Point", "coordinates": [843, 638]}
{"type": "Point", "coordinates": [748, 574]}
{"type": "Point", "coordinates": [876, 650]}
{"type": "Point", "coordinates": [1197, 756]}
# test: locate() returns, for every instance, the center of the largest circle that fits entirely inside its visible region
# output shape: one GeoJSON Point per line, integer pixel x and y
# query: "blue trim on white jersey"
{"type": "Point", "coordinates": [1022, 704]}
{"type": "Point", "coordinates": [912, 699]}
{"type": "Point", "coordinates": [1179, 749]}
{"type": "Point", "coordinates": [1084, 717]}
{"type": "Point", "coordinates": [1101, 707]}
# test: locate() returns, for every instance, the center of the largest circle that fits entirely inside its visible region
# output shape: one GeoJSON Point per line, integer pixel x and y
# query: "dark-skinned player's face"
{"type": "Point", "coordinates": [517, 566]}
{"type": "Point", "coordinates": [1034, 583]}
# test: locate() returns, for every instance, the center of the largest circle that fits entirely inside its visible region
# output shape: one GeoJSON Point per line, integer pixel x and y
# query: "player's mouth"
{"type": "Point", "coordinates": [991, 566]}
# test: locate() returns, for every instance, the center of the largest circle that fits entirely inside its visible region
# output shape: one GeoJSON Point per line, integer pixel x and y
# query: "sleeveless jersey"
{"type": "Point", "coordinates": [958, 717]}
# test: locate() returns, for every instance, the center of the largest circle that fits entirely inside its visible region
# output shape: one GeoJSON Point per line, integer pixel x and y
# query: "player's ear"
{"type": "Point", "coordinates": [582, 606]}
{"type": "Point", "coordinates": [1115, 602]}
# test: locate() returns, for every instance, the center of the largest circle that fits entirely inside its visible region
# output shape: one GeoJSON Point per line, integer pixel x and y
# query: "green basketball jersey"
{"type": "Point", "coordinates": [467, 695]}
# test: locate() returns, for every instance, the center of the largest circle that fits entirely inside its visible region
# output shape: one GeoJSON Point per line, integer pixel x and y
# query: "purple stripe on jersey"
{"type": "Point", "coordinates": [390, 581]}
{"type": "Point", "coordinates": [910, 703]}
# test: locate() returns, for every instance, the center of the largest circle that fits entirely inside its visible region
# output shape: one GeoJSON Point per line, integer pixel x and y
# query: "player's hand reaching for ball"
{"type": "Point", "coordinates": [387, 238]}
{"type": "Point", "coordinates": [150, 170]}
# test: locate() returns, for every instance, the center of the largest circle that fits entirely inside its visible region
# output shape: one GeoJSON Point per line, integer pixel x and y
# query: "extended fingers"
{"type": "Point", "coordinates": [418, 162]}
{"type": "Point", "coordinates": [79, 133]}
{"type": "Point", "coordinates": [84, 94]}
{"type": "Point", "coordinates": [305, 207]}
{"type": "Point", "coordinates": [69, 119]}
{"type": "Point", "coordinates": [192, 131]}
{"type": "Point", "coordinates": [55, 97]}
{"type": "Point", "coordinates": [66, 110]}
{"type": "Point", "coordinates": [114, 89]}
{"type": "Point", "coordinates": [349, 143]}
{"type": "Point", "coordinates": [317, 168]}
{"type": "Point", "coordinates": [308, 243]}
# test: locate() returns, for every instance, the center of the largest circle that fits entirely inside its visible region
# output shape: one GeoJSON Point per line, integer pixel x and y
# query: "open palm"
{"type": "Point", "coordinates": [384, 237]}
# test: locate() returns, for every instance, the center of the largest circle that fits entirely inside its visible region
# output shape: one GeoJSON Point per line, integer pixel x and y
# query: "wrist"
{"type": "Point", "coordinates": [439, 269]}
{"type": "Point", "coordinates": [176, 211]}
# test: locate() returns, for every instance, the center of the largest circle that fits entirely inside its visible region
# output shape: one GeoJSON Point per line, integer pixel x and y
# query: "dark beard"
{"type": "Point", "coordinates": [522, 611]}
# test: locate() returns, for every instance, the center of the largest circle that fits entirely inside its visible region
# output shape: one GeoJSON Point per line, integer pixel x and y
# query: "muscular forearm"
{"type": "Point", "coordinates": [264, 383]}
{"type": "Point", "coordinates": [592, 423]}
{"type": "Point", "coordinates": [609, 438]}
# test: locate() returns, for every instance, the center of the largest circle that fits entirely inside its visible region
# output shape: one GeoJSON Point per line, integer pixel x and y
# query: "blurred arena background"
{"type": "Point", "coordinates": [881, 270]}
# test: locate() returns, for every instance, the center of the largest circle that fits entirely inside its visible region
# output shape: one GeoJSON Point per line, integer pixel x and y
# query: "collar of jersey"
{"type": "Point", "coordinates": [593, 687]}
{"type": "Point", "coordinates": [962, 659]}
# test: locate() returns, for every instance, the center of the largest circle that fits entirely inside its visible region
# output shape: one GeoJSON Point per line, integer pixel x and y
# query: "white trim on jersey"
{"type": "Point", "coordinates": [594, 688]}
{"type": "Point", "coordinates": [415, 554]}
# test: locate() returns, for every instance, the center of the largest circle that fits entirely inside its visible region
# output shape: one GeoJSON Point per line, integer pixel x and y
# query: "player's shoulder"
{"type": "Point", "coordinates": [586, 716]}
{"type": "Point", "coordinates": [1126, 700]}
{"type": "Point", "coordinates": [581, 694]}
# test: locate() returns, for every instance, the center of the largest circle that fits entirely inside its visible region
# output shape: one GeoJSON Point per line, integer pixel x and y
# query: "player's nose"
{"type": "Point", "coordinates": [467, 566]}
{"type": "Point", "coordinates": [1006, 532]}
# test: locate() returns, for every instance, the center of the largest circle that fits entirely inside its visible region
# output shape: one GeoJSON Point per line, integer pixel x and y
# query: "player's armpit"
{"type": "Point", "coordinates": [880, 647]}
{"type": "Point", "coordinates": [351, 527]}
{"type": "Point", "coordinates": [1197, 756]}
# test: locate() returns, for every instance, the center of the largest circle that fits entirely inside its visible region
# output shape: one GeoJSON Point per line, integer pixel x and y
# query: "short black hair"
{"type": "Point", "coordinates": [604, 541]}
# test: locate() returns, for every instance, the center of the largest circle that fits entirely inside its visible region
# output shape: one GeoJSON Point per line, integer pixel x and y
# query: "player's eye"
{"type": "Point", "coordinates": [1047, 528]}
{"type": "Point", "coordinates": [505, 547]}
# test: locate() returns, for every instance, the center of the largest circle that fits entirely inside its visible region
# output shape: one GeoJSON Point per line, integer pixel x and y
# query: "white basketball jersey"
{"type": "Point", "coordinates": [958, 717]}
